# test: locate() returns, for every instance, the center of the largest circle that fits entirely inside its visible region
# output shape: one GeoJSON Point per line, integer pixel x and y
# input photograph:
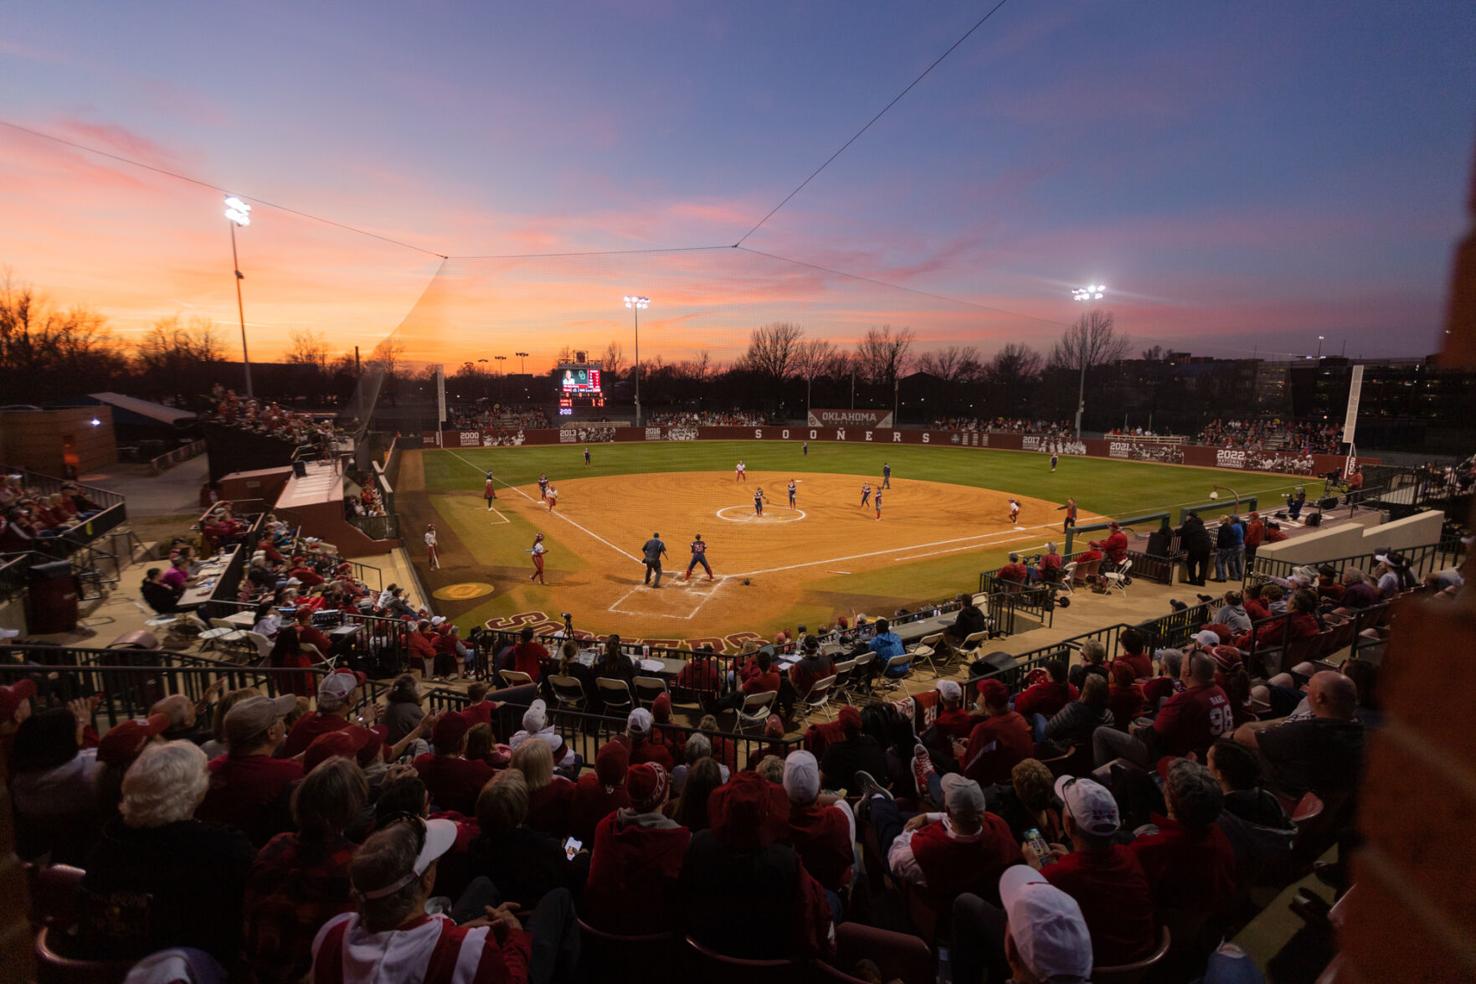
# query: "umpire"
{"type": "Point", "coordinates": [652, 551]}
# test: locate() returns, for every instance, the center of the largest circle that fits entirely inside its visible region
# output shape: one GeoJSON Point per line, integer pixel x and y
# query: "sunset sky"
{"type": "Point", "coordinates": [1243, 177]}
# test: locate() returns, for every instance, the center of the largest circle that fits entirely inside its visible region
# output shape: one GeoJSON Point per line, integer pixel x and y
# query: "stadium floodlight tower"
{"type": "Point", "coordinates": [1091, 292]}
{"type": "Point", "coordinates": [238, 213]}
{"type": "Point", "coordinates": [637, 304]}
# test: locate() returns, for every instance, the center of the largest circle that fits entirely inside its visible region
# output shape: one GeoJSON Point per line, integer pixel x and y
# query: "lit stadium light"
{"type": "Point", "coordinates": [1091, 292]}
{"type": "Point", "coordinates": [237, 211]}
{"type": "Point", "coordinates": [637, 303]}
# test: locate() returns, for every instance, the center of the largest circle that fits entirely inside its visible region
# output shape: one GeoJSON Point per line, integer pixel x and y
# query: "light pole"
{"type": "Point", "coordinates": [238, 213]}
{"type": "Point", "coordinates": [1091, 292]}
{"type": "Point", "coordinates": [1320, 340]}
{"type": "Point", "coordinates": [522, 363]}
{"type": "Point", "coordinates": [1215, 494]}
{"type": "Point", "coordinates": [637, 304]}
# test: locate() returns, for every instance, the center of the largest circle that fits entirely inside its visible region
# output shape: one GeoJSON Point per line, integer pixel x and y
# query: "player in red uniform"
{"type": "Point", "coordinates": [1070, 520]}
{"type": "Point", "coordinates": [489, 492]}
{"type": "Point", "coordinates": [552, 497]}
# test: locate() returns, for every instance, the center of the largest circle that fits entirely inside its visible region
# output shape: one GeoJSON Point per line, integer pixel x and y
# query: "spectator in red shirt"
{"type": "Point", "coordinates": [1134, 653]}
{"type": "Point", "coordinates": [1048, 696]}
{"type": "Point", "coordinates": [1189, 861]}
{"type": "Point", "coordinates": [599, 792]}
{"type": "Point", "coordinates": [1104, 877]}
{"type": "Point", "coordinates": [335, 704]}
{"type": "Point", "coordinates": [301, 880]}
{"type": "Point", "coordinates": [945, 854]}
{"type": "Point", "coordinates": [998, 742]}
{"type": "Point", "coordinates": [821, 829]}
{"type": "Point", "coordinates": [1014, 571]}
{"type": "Point", "coordinates": [1116, 545]}
{"type": "Point", "coordinates": [1189, 721]}
{"type": "Point", "coordinates": [308, 633]}
{"type": "Point", "coordinates": [764, 679]}
{"type": "Point", "coordinates": [549, 795]}
{"type": "Point", "coordinates": [249, 788]}
{"type": "Point", "coordinates": [1050, 564]}
{"type": "Point", "coordinates": [1254, 606]}
{"type": "Point", "coordinates": [1167, 683]}
{"type": "Point", "coordinates": [644, 746]}
{"type": "Point", "coordinates": [638, 854]}
{"type": "Point", "coordinates": [954, 719]}
{"type": "Point", "coordinates": [529, 656]}
{"type": "Point", "coordinates": [700, 674]}
{"type": "Point", "coordinates": [304, 573]}
{"type": "Point", "coordinates": [452, 780]}
{"type": "Point", "coordinates": [1124, 697]}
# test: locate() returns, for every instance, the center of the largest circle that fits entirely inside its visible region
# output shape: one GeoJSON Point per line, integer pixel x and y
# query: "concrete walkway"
{"type": "Point", "coordinates": [176, 491]}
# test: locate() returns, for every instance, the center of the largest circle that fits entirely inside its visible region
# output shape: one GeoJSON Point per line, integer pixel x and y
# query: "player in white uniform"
{"type": "Point", "coordinates": [552, 497]}
{"type": "Point", "coordinates": [538, 550]}
{"type": "Point", "coordinates": [1014, 510]}
{"type": "Point", "coordinates": [430, 547]}
{"type": "Point", "coordinates": [740, 472]}
{"type": "Point", "coordinates": [865, 494]}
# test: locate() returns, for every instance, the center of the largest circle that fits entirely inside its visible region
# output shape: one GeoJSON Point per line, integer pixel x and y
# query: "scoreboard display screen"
{"type": "Point", "coordinates": [579, 381]}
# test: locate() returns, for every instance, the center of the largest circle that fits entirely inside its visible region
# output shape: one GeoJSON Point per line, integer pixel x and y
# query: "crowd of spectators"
{"type": "Point", "coordinates": [499, 420]}
{"type": "Point", "coordinates": [589, 433]}
{"type": "Point", "coordinates": [29, 517]}
{"type": "Point", "coordinates": [271, 419]}
{"type": "Point", "coordinates": [1289, 463]}
{"type": "Point", "coordinates": [1146, 450]}
{"type": "Point", "coordinates": [1062, 445]}
{"type": "Point", "coordinates": [1010, 425]}
{"type": "Point", "coordinates": [705, 418]}
{"type": "Point", "coordinates": [1273, 433]}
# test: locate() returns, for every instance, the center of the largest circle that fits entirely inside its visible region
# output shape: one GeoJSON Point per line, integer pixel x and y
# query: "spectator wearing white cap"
{"type": "Point", "coordinates": [954, 719]}
{"type": "Point", "coordinates": [335, 704]}
{"type": "Point", "coordinates": [536, 727]}
{"type": "Point", "coordinates": [1104, 877]}
{"type": "Point", "coordinates": [822, 828]}
{"type": "Point", "coordinates": [1037, 934]}
{"type": "Point", "coordinates": [644, 746]}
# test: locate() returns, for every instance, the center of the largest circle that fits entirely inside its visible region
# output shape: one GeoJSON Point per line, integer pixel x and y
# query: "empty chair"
{"type": "Point", "coordinates": [897, 669]}
{"type": "Point", "coordinates": [860, 675]}
{"type": "Point", "coordinates": [514, 678]}
{"type": "Point", "coordinates": [1118, 580]}
{"type": "Point", "coordinates": [1068, 577]}
{"type": "Point", "coordinates": [568, 692]}
{"type": "Point", "coordinates": [648, 688]}
{"type": "Point", "coordinates": [970, 646]}
{"type": "Point", "coordinates": [222, 632]}
{"type": "Point", "coordinates": [257, 645]}
{"type": "Point", "coordinates": [843, 672]}
{"type": "Point", "coordinates": [615, 695]}
{"type": "Point", "coordinates": [756, 708]}
{"type": "Point", "coordinates": [926, 649]}
{"type": "Point", "coordinates": [818, 699]}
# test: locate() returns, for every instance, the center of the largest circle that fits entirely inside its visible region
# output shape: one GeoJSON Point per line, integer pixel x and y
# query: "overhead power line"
{"type": "Point", "coordinates": [880, 113]}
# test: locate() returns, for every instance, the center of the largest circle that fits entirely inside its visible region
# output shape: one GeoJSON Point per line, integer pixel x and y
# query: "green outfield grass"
{"type": "Point", "coordinates": [1100, 485]}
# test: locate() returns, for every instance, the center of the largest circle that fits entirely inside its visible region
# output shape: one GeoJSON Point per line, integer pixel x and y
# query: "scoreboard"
{"type": "Point", "coordinates": [579, 386]}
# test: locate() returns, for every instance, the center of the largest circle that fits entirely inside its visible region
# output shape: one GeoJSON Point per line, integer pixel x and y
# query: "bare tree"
{"type": "Point", "coordinates": [565, 356]}
{"type": "Point", "coordinates": [1092, 341]}
{"type": "Point", "coordinates": [953, 364]}
{"type": "Point", "coordinates": [44, 351]}
{"type": "Point", "coordinates": [386, 356]}
{"type": "Point", "coordinates": [1155, 354]}
{"type": "Point", "coordinates": [773, 349]}
{"type": "Point", "coordinates": [883, 355]}
{"type": "Point", "coordinates": [1013, 370]}
{"type": "Point", "coordinates": [613, 362]}
{"type": "Point", "coordinates": [309, 348]}
{"type": "Point", "coordinates": [815, 358]}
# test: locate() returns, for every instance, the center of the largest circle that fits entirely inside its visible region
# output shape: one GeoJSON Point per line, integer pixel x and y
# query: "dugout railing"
{"type": "Point", "coordinates": [381, 647]}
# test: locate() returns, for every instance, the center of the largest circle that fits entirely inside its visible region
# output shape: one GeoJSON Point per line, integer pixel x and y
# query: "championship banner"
{"type": "Point", "coordinates": [1355, 390]}
{"type": "Point", "coordinates": [851, 418]}
{"type": "Point", "coordinates": [440, 392]}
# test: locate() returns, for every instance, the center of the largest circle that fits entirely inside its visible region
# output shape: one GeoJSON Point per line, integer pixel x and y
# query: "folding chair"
{"type": "Point", "coordinates": [926, 649]}
{"type": "Point", "coordinates": [818, 699]}
{"type": "Point", "coordinates": [756, 709]}
{"type": "Point", "coordinates": [969, 648]}
{"type": "Point", "coordinates": [1119, 578]}
{"type": "Point", "coordinates": [514, 678]}
{"type": "Point", "coordinates": [885, 681]}
{"type": "Point", "coordinates": [843, 672]}
{"type": "Point", "coordinates": [860, 679]}
{"type": "Point", "coordinates": [1068, 577]}
{"type": "Point", "coordinates": [648, 688]}
{"type": "Point", "coordinates": [220, 631]}
{"type": "Point", "coordinates": [614, 695]}
{"type": "Point", "coordinates": [1138, 970]}
{"type": "Point", "coordinates": [568, 692]}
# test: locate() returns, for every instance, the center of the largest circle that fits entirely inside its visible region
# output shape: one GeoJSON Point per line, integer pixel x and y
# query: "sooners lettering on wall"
{"type": "Point", "coordinates": [851, 418]}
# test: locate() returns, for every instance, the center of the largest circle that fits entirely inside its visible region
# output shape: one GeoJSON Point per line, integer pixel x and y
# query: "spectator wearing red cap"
{"type": "Point", "coordinates": [1049, 695]}
{"type": "Point", "coordinates": [741, 893]}
{"type": "Point", "coordinates": [1014, 571]}
{"type": "Point", "coordinates": [300, 879]}
{"type": "Point", "coordinates": [856, 753]}
{"type": "Point", "coordinates": [249, 787]}
{"type": "Point", "coordinates": [1189, 861]}
{"type": "Point", "coordinates": [123, 743]}
{"type": "Point", "coordinates": [1116, 545]}
{"type": "Point", "coordinates": [638, 853]}
{"type": "Point", "coordinates": [998, 742]}
{"type": "Point", "coordinates": [452, 780]}
{"type": "Point", "coordinates": [1104, 877]}
{"type": "Point", "coordinates": [822, 828]}
{"type": "Point", "coordinates": [335, 704]}
{"type": "Point", "coordinates": [601, 792]}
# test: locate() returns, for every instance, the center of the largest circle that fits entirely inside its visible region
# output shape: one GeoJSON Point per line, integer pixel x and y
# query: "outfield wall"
{"type": "Point", "coordinates": [1230, 459]}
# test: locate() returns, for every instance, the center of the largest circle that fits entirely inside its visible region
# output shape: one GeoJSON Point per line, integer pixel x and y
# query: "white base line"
{"type": "Point", "coordinates": [499, 516]}
{"type": "Point", "coordinates": [566, 519]}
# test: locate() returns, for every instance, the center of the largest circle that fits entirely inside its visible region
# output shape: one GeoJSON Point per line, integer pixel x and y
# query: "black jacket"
{"type": "Point", "coordinates": [1194, 536]}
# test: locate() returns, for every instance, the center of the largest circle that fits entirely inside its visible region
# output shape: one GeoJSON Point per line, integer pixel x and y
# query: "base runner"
{"type": "Point", "coordinates": [793, 491]}
{"type": "Point", "coordinates": [552, 497]}
{"type": "Point", "coordinates": [699, 556]}
{"type": "Point", "coordinates": [865, 494]}
{"type": "Point", "coordinates": [1014, 510]}
{"type": "Point", "coordinates": [489, 491]}
{"type": "Point", "coordinates": [430, 547]}
{"type": "Point", "coordinates": [538, 550]}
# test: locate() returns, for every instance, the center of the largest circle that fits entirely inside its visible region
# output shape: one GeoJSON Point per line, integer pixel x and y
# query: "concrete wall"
{"type": "Point", "coordinates": [1348, 539]}
{"type": "Point", "coordinates": [62, 442]}
{"type": "Point", "coordinates": [1401, 534]}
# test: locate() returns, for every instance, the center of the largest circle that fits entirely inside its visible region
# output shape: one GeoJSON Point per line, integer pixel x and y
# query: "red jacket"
{"type": "Point", "coordinates": [529, 657]}
{"type": "Point", "coordinates": [1016, 572]}
{"type": "Point", "coordinates": [1191, 871]}
{"type": "Point", "coordinates": [761, 683]}
{"type": "Point", "coordinates": [821, 836]}
{"type": "Point", "coordinates": [453, 783]}
{"type": "Point", "coordinates": [590, 804]}
{"type": "Point", "coordinates": [1045, 698]}
{"type": "Point", "coordinates": [996, 745]}
{"type": "Point", "coordinates": [630, 861]}
{"type": "Point", "coordinates": [952, 867]}
{"type": "Point", "coordinates": [1116, 546]}
{"type": "Point", "coordinates": [1116, 902]}
{"type": "Point", "coordinates": [308, 728]}
{"type": "Point", "coordinates": [1192, 719]}
{"type": "Point", "coordinates": [548, 808]}
{"type": "Point", "coordinates": [652, 750]}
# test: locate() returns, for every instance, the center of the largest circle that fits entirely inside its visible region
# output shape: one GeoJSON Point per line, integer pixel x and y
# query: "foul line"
{"type": "Point", "coordinates": [891, 550]}
{"type": "Point", "coordinates": [586, 530]}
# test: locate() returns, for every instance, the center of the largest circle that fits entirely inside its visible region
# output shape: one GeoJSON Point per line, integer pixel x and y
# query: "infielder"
{"type": "Point", "coordinates": [430, 547]}
{"type": "Point", "coordinates": [651, 552]}
{"type": "Point", "coordinates": [793, 491]}
{"type": "Point", "coordinates": [542, 486]}
{"type": "Point", "coordinates": [878, 503]}
{"type": "Point", "coordinates": [1014, 511]}
{"type": "Point", "coordinates": [758, 501]}
{"type": "Point", "coordinates": [489, 491]}
{"type": "Point", "coordinates": [538, 550]}
{"type": "Point", "coordinates": [699, 556]}
{"type": "Point", "coordinates": [740, 472]}
{"type": "Point", "coordinates": [865, 494]}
